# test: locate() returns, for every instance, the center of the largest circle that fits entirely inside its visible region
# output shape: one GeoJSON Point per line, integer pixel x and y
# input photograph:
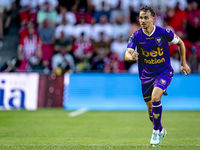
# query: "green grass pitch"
{"type": "Point", "coordinates": [120, 130]}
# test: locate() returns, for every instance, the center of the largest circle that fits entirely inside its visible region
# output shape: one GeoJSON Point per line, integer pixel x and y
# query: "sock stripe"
{"type": "Point", "coordinates": [157, 105]}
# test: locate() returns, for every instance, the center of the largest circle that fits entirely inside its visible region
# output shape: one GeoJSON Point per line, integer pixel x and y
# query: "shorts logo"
{"type": "Point", "coordinates": [158, 40]}
{"type": "Point", "coordinates": [168, 30]}
{"type": "Point", "coordinates": [163, 81]}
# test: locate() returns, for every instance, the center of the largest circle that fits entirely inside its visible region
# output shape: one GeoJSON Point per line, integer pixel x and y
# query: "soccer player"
{"type": "Point", "coordinates": [155, 70]}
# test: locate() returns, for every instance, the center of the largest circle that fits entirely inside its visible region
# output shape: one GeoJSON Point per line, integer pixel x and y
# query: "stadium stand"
{"type": "Point", "coordinates": [93, 33]}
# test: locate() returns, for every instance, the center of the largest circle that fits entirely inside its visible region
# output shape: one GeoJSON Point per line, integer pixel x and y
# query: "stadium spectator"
{"type": "Point", "coordinates": [28, 14]}
{"type": "Point", "coordinates": [98, 62]}
{"type": "Point", "coordinates": [63, 61]}
{"type": "Point", "coordinates": [112, 64]}
{"type": "Point", "coordinates": [120, 7]}
{"type": "Point", "coordinates": [83, 14]}
{"type": "Point", "coordinates": [46, 32]}
{"type": "Point", "coordinates": [29, 52]}
{"type": "Point", "coordinates": [194, 57]}
{"type": "Point", "coordinates": [118, 47]}
{"type": "Point", "coordinates": [175, 62]}
{"type": "Point", "coordinates": [62, 41]}
{"type": "Point", "coordinates": [100, 7]}
{"type": "Point", "coordinates": [66, 28]}
{"type": "Point", "coordinates": [53, 4]}
{"type": "Point", "coordinates": [30, 3]}
{"type": "Point", "coordinates": [47, 13]}
{"type": "Point", "coordinates": [82, 51]}
{"type": "Point", "coordinates": [102, 27]}
{"type": "Point", "coordinates": [177, 18]}
{"type": "Point", "coordinates": [5, 6]}
{"type": "Point", "coordinates": [69, 16]}
{"type": "Point", "coordinates": [193, 60]}
{"type": "Point", "coordinates": [82, 28]}
{"type": "Point", "coordinates": [102, 41]}
{"type": "Point", "coordinates": [23, 32]}
{"type": "Point", "coordinates": [120, 27]}
{"type": "Point", "coordinates": [193, 22]}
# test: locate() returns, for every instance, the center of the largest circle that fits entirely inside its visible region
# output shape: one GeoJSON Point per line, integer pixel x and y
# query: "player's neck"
{"type": "Point", "coordinates": [149, 30]}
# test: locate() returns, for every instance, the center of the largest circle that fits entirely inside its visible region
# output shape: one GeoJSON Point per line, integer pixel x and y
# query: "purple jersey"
{"type": "Point", "coordinates": [154, 58]}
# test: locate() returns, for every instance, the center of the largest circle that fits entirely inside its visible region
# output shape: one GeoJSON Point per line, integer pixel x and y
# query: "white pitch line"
{"type": "Point", "coordinates": [78, 112]}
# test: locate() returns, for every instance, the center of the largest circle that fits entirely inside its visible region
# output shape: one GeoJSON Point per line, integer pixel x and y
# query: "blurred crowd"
{"type": "Point", "coordinates": [91, 35]}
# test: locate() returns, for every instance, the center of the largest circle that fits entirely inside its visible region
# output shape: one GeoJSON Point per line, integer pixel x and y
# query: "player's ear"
{"type": "Point", "coordinates": [153, 19]}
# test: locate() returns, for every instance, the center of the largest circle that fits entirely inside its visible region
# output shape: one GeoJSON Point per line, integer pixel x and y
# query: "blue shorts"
{"type": "Point", "coordinates": [162, 81]}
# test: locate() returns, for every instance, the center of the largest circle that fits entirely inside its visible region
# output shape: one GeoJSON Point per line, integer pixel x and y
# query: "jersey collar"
{"type": "Point", "coordinates": [154, 28]}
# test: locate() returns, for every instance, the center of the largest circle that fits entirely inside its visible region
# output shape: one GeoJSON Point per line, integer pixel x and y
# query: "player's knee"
{"type": "Point", "coordinates": [155, 98]}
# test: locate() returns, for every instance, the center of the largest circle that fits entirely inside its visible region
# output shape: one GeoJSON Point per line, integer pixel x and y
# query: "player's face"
{"type": "Point", "coordinates": [146, 20]}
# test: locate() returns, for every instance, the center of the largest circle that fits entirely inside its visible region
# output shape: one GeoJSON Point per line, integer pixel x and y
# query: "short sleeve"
{"type": "Point", "coordinates": [169, 35]}
{"type": "Point", "coordinates": [132, 42]}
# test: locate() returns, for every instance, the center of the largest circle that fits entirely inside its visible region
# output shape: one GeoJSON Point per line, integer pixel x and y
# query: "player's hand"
{"type": "Point", "coordinates": [185, 69]}
{"type": "Point", "coordinates": [135, 56]}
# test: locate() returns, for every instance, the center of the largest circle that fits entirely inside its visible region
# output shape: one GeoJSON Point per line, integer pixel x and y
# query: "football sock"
{"type": "Point", "coordinates": [160, 128]}
{"type": "Point", "coordinates": [157, 113]}
{"type": "Point", "coordinates": [151, 117]}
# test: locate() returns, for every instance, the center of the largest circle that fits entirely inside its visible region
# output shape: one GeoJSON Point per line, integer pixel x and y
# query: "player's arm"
{"type": "Point", "coordinates": [184, 67]}
{"type": "Point", "coordinates": [173, 38]}
{"type": "Point", "coordinates": [130, 55]}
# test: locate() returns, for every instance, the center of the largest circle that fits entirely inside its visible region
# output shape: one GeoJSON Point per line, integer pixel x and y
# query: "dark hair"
{"type": "Point", "coordinates": [145, 8]}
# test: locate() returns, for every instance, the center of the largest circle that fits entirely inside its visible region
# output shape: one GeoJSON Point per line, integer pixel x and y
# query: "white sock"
{"type": "Point", "coordinates": [156, 131]}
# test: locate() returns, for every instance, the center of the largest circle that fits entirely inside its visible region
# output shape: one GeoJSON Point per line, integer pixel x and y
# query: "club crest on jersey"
{"type": "Point", "coordinates": [163, 82]}
{"type": "Point", "coordinates": [158, 41]}
{"type": "Point", "coordinates": [168, 30]}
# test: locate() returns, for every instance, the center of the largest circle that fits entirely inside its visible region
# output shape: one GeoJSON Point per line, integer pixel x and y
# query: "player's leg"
{"type": "Point", "coordinates": [149, 107]}
{"type": "Point", "coordinates": [157, 108]}
{"type": "Point", "coordinates": [147, 92]}
{"type": "Point", "coordinates": [157, 113]}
